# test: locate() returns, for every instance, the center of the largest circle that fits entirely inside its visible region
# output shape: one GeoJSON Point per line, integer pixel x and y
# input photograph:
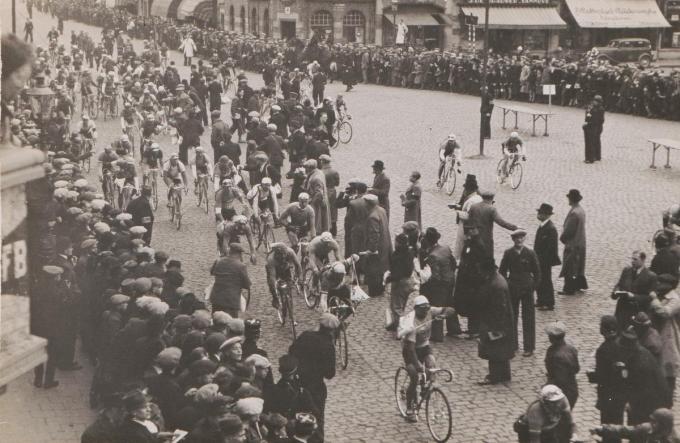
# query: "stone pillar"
{"type": "Point", "coordinates": [338, 15]}
{"type": "Point", "coordinates": [378, 18]}
{"type": "Point", "coordinates": [20, 351]}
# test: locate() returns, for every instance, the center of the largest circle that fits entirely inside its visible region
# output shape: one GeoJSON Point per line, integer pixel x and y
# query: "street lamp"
{"type": "Point", "coordinates": [484, 93]}
{"type": "Point", "coordinates": [41, 98]}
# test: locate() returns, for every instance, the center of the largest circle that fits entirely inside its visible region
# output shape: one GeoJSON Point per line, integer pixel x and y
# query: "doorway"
{"type": "Point", "coordinates": [287, 29]}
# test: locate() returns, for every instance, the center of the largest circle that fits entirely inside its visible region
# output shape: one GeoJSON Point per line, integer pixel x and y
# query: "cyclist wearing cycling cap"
{"type": "Point", "coordinates": [263, 200]}
{"type": "Point", "coordinates": [226, 196]}
{"type": "Point", "coordinates": [414, 330]}
{"type": "Point", "coordinates": [298, 218]}
{"type": "Point", "coordinates": [278, 267]}
{"type": "Point", "coordinates": [451, 148]}
{"type": "Point", "coordinates": [513, 149]}
{"type": "Point", "coordinates": [230, 231]}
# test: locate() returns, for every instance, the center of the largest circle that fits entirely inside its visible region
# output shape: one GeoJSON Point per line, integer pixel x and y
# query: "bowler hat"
{"type": "Point", "coordinates": [378, 164]}
{"type": "Point", "coordinates": [545, 208]}
{"type": "Point", "coordinates": [470, 182]}
{"type": "Point", "coordinates": [287, 363]}
{"type": "Point", "coordinates": [574, 195]}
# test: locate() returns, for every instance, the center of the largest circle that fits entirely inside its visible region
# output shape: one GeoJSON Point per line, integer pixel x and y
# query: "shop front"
{"type": "Point", "coordinates": [534, 27]}
{"type": "Point", "coordinates": [425, 25]}
{"type": "Point", "coordinates": [596, 23]}
{"type": "Point", "coordinates": [671, 36]}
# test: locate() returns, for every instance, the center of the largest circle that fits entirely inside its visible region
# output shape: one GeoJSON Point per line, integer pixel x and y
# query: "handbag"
{"type": "Point", "coordinates": [521, 427]}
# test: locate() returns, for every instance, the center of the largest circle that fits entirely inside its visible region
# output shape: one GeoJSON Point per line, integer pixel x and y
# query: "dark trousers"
{"type": "Point", "coordinates": [375, 285]}
{"type": "Point", "coordinates": [545, 292]}
{"type": "Point", "coordinates": [317, 94]}
{"type": "Point", "coordinates": [29, 34]}
{"type": "Point", "coordinates": [65, 344]}
{"type": "Point", "coordinates": [593, 143]}
{"type": "Point", "coordinates": [486, 126]}
{"type": "Point", "coordinates": [319, 395]}
{"type": "Point", "coordinates": [525, 296]}
{"type": "Point", "coordinates": [473, 322]}
{"type": "Point", "coordinates": [611, 412]}
{"type": "Point", "coordinates": [216, 306]}
{"type": "Point", "coordinates": [149, 230]}
{"type": "Point", "coordinates": [499, 370]}
{"type": "Point", "coordinates": [44, 373]}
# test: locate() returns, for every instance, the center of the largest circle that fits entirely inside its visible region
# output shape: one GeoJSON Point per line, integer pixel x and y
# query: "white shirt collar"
{"type": "Point", "coordinates": [544, 222]}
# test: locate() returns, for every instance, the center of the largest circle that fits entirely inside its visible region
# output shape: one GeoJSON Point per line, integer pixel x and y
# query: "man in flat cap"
{"type": "Point", "coordinates": [315, 351]}
{"type": "Point", "coordinates": [288, 397]}
{"type": "Point", "coordinates": [231, 277]}
{"type": "Point", "coordinates": [332, 182]}
{"type": "Point", "coordinates": [520, 268]}
{"type": "Point", "coordinates": [142, 213]}
{"type": "Point", "coordinates": [381, 185]}
{"type": "Point", "coordinates": [46, 323]}
{"type": "Point", "coordinates": [272, 145]}
{"type": "Point", "coordinates": [561, 362]}
{"type": "Point", "coordinates": [592, 130]}
{"type": "Point", "coordinates": [71, 306]}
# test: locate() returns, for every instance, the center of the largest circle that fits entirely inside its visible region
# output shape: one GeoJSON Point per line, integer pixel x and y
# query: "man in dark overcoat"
{"type": "Point", "coordinates": [545, 246]}
{"type": "Point", "coordinates": [574, 239]}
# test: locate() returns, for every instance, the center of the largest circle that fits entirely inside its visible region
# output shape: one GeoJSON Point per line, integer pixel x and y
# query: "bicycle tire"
{"type": "Point", "coordinates": [431, 415]}
{"type": "Point", "coordinates": [443, 179]}
{"type": "Point", "coordinates": [451, 179]}
{"type": "Point", "coordinates": [105, 106]}
{"type": "Point", "coordinates": [87, 163]}
{"type": "Point", "coordinates": [154, 194]}
{"type": "Point", "coordinates": [499, 172]}
{"type": "Point", "coordinates": [515, 176]}
{"type": "Point", "coordinates": [336, 136]}
{"type": "Point", "coordinates": [204, 189]}
{"type": "Point", "coordinates": [341, 349]}
{"type": "Point", "coordinates": [310, 294]}
{"type": "Point", "coordinates": [345, 132]}
{"type": "Point", "coordinates": [255, 228]}
{"type": "Point", "coordinates": [269, 238]}
{"type": "Point", "coordinates": [291, 312]}
{"type": "Point", "coordinates": [401, 382]}
{"type": "Point", "coordinates": [282, 310]}
{"type": "Point", "coordinates": [94, 108]}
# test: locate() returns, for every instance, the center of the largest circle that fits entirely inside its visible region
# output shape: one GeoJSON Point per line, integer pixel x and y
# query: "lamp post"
{"type": "Point", "coordinates": [484, 93]}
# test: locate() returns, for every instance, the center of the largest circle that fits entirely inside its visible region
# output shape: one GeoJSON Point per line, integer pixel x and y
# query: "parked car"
{"type": "Point", "coordinates": [626, 50]}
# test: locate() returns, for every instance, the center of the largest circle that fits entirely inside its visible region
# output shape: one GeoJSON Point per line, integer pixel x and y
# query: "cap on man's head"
{"type": "Point", "coordinates": [287, 364]}
{"type": "Point", "coordinates": [421, 300]}
{"type": "Point", "coordinates": [556, 329]}
{"type": "Point", "coordinates": [518, 233]}
{"type": "Point", "coordinates": [551, 393]}
{"type": "Point", "coordinates": [329, 321]}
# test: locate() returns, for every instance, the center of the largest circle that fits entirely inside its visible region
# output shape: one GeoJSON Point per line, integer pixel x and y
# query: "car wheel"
{"type": "Point", "coordinates": [602, 58]}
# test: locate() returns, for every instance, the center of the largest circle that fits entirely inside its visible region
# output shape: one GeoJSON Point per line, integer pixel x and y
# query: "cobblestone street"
{"type": "Point", "coordinates": [623, 199]}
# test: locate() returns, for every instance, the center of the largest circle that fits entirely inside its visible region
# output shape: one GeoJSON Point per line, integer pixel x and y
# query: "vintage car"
{"type": "Point", "coordinates": [626, 50]}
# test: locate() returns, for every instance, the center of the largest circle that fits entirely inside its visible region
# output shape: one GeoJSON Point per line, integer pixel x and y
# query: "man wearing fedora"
{"type": "Point", "coordinates": [483, 216]}
{"type": "Point", "coordinates": [545, 246]}
{"type": "Point", "coordinates": [592, 130]}
{"type": "Point", "coordinates": [470, 197]}
{"type": "Point", "coordinates": [381, 186]}
{"type": "Point", "coordinates": [574, 239]}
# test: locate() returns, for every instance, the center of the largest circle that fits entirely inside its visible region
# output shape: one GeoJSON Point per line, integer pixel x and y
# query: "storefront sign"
{"type": "Point", "coordinates": [15, 262]}
{"type": "Point", "coordinates": [617, 14]}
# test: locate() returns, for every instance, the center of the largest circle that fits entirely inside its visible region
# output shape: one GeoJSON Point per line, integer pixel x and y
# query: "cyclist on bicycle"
{"type": "Point", "coordinates": [107, 160]}
{"type": "Point", "coordinates": [332, 283]}
{"type": "Point", "coordinates": [224, 168]}
{"type": "Point", "coordinates": [201, 165]}
{"type": "Point", "coordinates": [87, 129]}
{"type": "Point", "coordinates": [174, 170]}
{"type": "Point", "coordinates": [298, 218]}
{"type": "Point", "coordinates": [341, 107]}
{"type": "Point", "coordinates": [449, 149]}
{"type": "Point", "coordinates": [150, 127]}
{"type": "Point", "coordinates": [225, 198]}
{"type": "Point", "coordinates": [278, 267]}
{"type": "Point", "coordinates": [87, 88]}
{"type": "Point", "coordinates": [148, 102]}
{"type": "Point", "coordinates": [231, 231]}
{"type": "Point", "coordinates": [414, 331]}
{"type": "Point", "coordinates": [262, 199]}
{"type": "Point", "coordinates": [129, 118]}
{"type": "Point", "coordinates": [152, 159]}
{"type": "Point", "coordinates": [513, 148]}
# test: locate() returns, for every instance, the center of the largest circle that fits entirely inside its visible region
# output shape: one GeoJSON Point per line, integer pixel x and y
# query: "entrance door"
{"type": "Point", "coordinates": [287, 29]}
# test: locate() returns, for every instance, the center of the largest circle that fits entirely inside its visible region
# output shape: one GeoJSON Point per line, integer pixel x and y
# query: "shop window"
{"type": "Point", "coordinates": [321, 24]}
{"type": "Point", "coordinates": [354, 27]}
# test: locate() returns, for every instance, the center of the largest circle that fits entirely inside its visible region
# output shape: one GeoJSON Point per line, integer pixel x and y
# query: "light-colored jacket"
{"type": "Point", "coordinates": [668, 312]}
{"type": "Point", "coordinates": [188, 47]}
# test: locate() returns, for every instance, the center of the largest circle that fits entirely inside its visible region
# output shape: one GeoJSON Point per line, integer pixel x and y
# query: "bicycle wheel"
{"type": "Point", "coordinates": [310, 291]}
{"type": "Point", "coordinates": [204, 189]}
{"type": "Point", "coordinates": [105, 108]}
{"type": "Point", "coordinates": [177, 208]}
{"type": "Point", "coordinates": [154, 193]}
{"type": "Point", "coordinates": [401, 382]}
{"type": "Point", "coordinates": [291, 314]}
{"type": "Point", "coordinates": [438, 413]}
{"type": "Point", "coordinates": [341, 349]}
{"type": "Point", "coordinates": [516, 172]}
{"type": "Point", "coordinates": [443, 179]}
{"type": "Point", "coordinates": [345, 132]}
{"type": "Point", "coordinates": [499, 172]}
{"type": "Point", "coordinates": [450, 184]}
{"type": "Point", "coordinates": [282, 310]}
{"type": "Point", "coordinates": [94, 108]}
{"type": "Point", "coordinates": [268, 238]}
{"type": "Point", "coordinates": [336, 137]}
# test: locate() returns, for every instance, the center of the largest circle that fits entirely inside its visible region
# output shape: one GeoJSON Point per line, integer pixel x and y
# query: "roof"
{"type": "Point", "coordinates": [415, 18]}
{"type": "Point", "coordinates": [517, 17]}
{"type": "Point", "coordinates": [617, 14]}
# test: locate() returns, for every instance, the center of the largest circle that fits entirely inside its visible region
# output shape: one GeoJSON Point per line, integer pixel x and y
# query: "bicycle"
{"type": "Point", "coordinates": [306, 88]}
{"type": "Point", "coordinates": [126, 196]}
{"type": "Point", "coordinates": [176, 205]}
{"type": "Point", "coordinates": [342, 130]}
{"type": "Point", "coordinates": [449, 176]}
{"type": "Point", "coordinates": [437, 407]}
{"type": "Point", "coordinates": [87, 151]}
{"type": "Point", "coordinates": [202, 193]}
{"type": "Point", "coordinates": [285, 309]}
{"type": "Point", "coordinates": [515, 171]}
{"type": "Point", "coordinates": [110, 189]}
{"type": "Point", "coordinates": [342, 310]}
{"type": "Point", "coordinates": [151, 179]}
{"type": "Point", "coordinates": [130, 131]}
{"type": "Point", "coordinates": [90, 106]}
{"type": "Point", "coordinates": [263, 231]}
{"type": "Point", "coordinates": [229, 87]}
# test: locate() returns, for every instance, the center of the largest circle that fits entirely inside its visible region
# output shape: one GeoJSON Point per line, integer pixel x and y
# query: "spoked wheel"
{"type": "Point", "coordinates": [282, 311]}
{"type": "Point", "coordinates": [401, 382]}
{"type": "Point", "coordinates": [106, 106]}
{"type": "Point", "coordinates": [438, 413]}
{"type": "Point", "coordinates": [345, 132]}
{"type": "Point", "coordinates": [291, 313]}
{"type": "Point", "coordinates": [450, 183]}
{"type": "Point", "coordinates": [310, 292]}
{"type": "Point", "coordinates": [443, 179]}
{"type": "Point", "coordinates": [255, 228]}
{"type": "Point", "coordinates": [515, 174]}
{"type": "Point", "coordinates": [267, 238]}
{"type": "Point", "coordinates": [204, 189]}
{"type": "Point", "coordinates": [177, 212]}
{"type": "Point", "coordinates": [94, 108]}
{"type": "Point", "coordinates": [154, 195]}
{"type": "Point", "coordinates": [336, 137]}
{"type": "Point", "coordinates": [499, 172]}
{"type": "Point", "coordinates": [341, 349]}
{"type": "Point", "coordinates": [87, 163]}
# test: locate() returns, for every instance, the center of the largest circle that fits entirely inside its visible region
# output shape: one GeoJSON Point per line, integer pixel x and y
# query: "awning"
{"type": "Point", "coordinates": [617, 14]}
{"type": "Point", "coordinates": [414, 18]}
{"type": "Point", "coordinates": [205, 12]}
{"type": "Point", "coordinates": [160, 8]}
{"type": "Point", "coordinates": [188, 7]}
{"type": "Point", "coordinates": [520, 17]}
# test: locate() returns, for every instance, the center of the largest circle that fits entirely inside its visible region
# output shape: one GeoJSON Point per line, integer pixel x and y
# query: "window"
{"type": "Point", "coordinates": [243, 19]}
{"type": "Point", "coordinates": [265, 22]}
{"type": "Point", "coordinates": [321, 19]}
{"type": "Point", "coordinates": [354, 18]}
{"type": "Point", "coordinates": [232, 19]}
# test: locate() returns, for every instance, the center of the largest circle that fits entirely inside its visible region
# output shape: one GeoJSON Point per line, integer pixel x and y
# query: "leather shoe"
{"type": "Point", "coordinates": [566, 293]}
{"type": "Point", "coordinates": [527, 353]}
{"type": "Point", "coordinates": [75, 366]}
{"type": "Point", "coordinates": [51, 384]}
{"type": "Point", "coordinates": [486, 382]}
{"type": "Point", "coordinates": [546, 308]}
